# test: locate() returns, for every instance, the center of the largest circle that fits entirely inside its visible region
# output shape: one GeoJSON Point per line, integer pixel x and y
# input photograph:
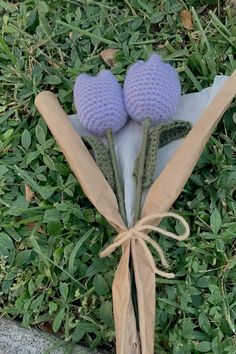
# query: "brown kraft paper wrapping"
{"type": "Point", "coordinates": [160, 198]}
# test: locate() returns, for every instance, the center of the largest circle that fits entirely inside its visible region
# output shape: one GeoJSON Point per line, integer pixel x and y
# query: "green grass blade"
{"type": "Point", "coordinates": [76, 249]}
{"type": "Point", "coordinates": [6, 50]}
{"type": "Point", "coordinates": [88, 34]}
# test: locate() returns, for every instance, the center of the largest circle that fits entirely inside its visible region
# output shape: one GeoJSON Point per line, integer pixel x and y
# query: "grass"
{"type": "Point", "coordinates": [50, 273]}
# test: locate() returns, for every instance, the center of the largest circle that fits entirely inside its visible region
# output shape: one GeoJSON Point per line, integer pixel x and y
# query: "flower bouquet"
{"type": "Point", "coordinates": [145, 142]}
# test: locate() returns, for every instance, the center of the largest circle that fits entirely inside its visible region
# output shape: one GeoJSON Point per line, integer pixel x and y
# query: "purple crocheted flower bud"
{"type": "Point", "coordinates": [99, 102]}
{"type": "Point", "coordinates": [151, 90]}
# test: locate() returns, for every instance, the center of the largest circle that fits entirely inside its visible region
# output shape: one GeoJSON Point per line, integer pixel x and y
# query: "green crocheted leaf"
{"type": "Point", "coordinates": [102, 158]}
{"type": "Point", "coordinates": [173, 131]}
{"type": "Point", "coordinates": [159, 137]}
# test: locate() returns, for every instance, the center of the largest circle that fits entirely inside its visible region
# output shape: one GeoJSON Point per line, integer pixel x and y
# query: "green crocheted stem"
{"type": "Point", "coordinates": [138, 175]}
{"type": "Point", "coordinates": [139, 170]}
{"type": "Point", "coordinates": [151, 153]}
{"type": "Point", "coordinates": [102, 158]}
{"type": "Point", "coordinates": [173, 131]}
{"type": "Point", "coordinates": [118, 185]}
{"type": "Point", "coordinates": [159, 137]}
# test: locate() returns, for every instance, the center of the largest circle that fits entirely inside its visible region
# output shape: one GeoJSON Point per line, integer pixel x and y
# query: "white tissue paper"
{"type": "Point", "coordinates": [128, 140]}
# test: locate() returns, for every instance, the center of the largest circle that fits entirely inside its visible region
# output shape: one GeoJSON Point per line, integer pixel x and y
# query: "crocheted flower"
{"type": "Point", "coordinates": [99, 102]}
{"type": "Point", "coordinates": [151, 90]}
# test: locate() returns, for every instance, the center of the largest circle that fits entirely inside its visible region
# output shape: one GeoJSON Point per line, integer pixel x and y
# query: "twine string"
{"type": "Point", "coordinates": [139, 232]}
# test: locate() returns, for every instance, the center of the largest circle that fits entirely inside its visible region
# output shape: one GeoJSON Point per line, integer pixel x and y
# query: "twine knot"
{"type": "Point", "coordinates": [137, 233]}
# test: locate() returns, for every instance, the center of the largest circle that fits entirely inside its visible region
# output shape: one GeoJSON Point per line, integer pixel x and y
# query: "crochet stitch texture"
{"type": "Point", "coordinates": [151, 90]}
{"type": "Point", "coordinates": [99, 102]}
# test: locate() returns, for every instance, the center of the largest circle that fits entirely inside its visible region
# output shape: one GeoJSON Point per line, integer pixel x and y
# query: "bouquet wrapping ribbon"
{"type": "Point", "coordinates": [137, 233]}
{"type": "Point", "coordinates": [160, 198]}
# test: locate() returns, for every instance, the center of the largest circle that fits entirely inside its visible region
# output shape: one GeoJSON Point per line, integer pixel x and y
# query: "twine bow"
{"type": "Point", "coordinates": [137, 233]}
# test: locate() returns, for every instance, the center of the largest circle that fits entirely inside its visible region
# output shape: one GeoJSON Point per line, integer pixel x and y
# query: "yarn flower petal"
{"type": "Point", "coordinates": [151, 90]}
{"type": "Point", "coordinates": [99, 103]}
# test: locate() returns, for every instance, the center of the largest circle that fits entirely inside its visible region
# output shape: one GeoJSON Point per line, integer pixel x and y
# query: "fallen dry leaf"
{"type": "Point", "coordinates": [47, 327]}
{"type": "Point", "coordinates": [31, 225]}
{"type": "Point", "coordinates": [186, 19]}
{"type": "Point", "coordinates": [29, 195]}
{"type": "Point", "coordinates": [108, 55]}
{"type": "Point", "coordinates": [231, 3]}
